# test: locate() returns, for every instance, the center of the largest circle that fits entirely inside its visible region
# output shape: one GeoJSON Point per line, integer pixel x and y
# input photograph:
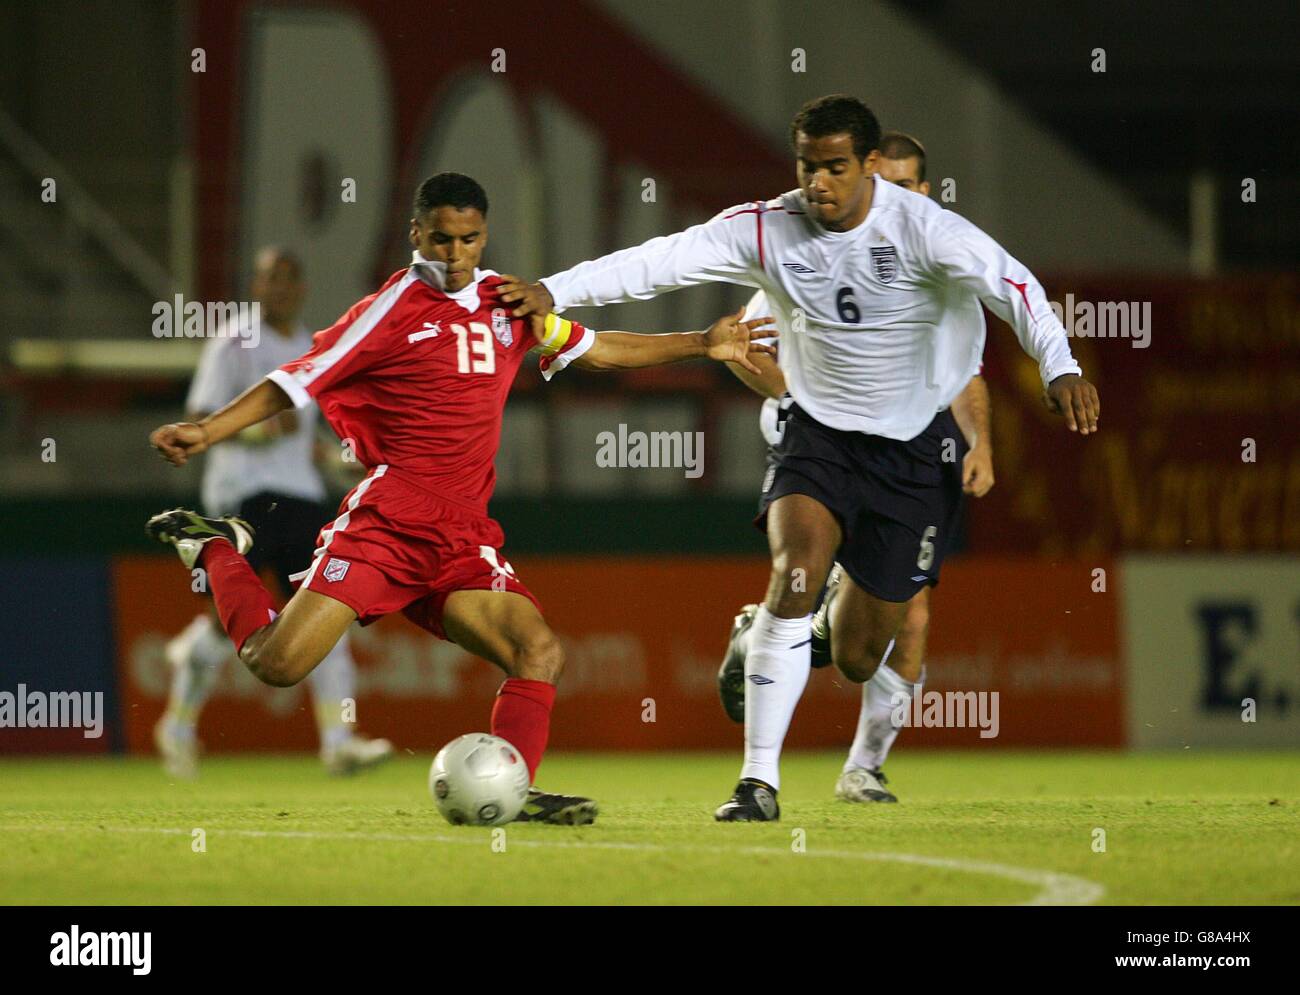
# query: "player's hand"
{"type": "Point", "coordinates": [537, 325]}
{"type": "Point", "coordinates": [977, 471]}
{"type": "Point", "coordinates": [532, 298]}
{"type": "Point", "coordinates": [1072, 396]}
{"type": "Point", "coordinates": [177, 442]}
{"type": "Point", "coordinates": [730, 340]}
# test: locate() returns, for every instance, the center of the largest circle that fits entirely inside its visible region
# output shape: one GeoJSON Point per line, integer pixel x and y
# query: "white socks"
{"type": "Point", "coordinates": [776, 669]}
{"type": "Point", "coordinates": [197, 655]}
{"type": "Point", "coordinates": [201, 649]}
{"type": "Point", "coordinates": [333, 681]}
{"type": "Point", "coordinates": [876, 730]}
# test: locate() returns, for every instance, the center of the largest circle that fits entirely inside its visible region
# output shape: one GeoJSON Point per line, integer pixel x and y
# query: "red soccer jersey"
{"type": "Point", "coordinates": [417, 377]}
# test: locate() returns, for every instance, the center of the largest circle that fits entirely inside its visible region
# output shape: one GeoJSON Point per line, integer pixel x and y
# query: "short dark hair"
{"type": "Point", "coordinates": [450, 190]}
{"type": "Point", "coordinates": [273, 254]}
{"type": "Point", "coordinates": [834, 114]}
{"type": "Point", "coordinates": [896, 145]}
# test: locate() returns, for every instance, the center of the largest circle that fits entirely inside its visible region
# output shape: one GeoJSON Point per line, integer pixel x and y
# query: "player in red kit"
{"type": "Point", "coordinates": [414, 379]}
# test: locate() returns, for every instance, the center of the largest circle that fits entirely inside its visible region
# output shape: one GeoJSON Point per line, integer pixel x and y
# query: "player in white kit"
{"type": "Point", "coordinates": [860, 275]}
{"type": "Point", "coordinates": [968, 469]}
{"type": "Point", "coordinates": [269, 479]}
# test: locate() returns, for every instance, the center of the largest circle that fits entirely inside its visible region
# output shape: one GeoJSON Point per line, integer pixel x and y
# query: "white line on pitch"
{"type": "Point", "coordinates": [1054, 888]}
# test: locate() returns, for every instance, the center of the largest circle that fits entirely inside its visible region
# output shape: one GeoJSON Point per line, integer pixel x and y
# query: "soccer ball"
{"type": "Point", "coordinates": [479, 780]}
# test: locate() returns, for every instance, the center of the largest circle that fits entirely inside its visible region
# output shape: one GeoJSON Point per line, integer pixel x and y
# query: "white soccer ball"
{"type": "Point", "coordinates": [479, 780]}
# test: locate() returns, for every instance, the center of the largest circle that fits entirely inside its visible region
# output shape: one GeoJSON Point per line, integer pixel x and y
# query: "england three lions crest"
{"type": "Point", "coordinates": [501, 327]}
{"type": "Point", "coordinates": [884, 263]}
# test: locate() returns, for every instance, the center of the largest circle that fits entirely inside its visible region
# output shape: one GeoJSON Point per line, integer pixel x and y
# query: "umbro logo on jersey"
{"type": "Point", "coordinates": [336, 569]}
{"type": "Point", "coordinates": [799, 268]}
{"type": "Point", "coordinates": [430, 331]}
{"type": "Point", "coordinates": [760, 679]}
{"type": "Point", "coordinates": [920, 578]}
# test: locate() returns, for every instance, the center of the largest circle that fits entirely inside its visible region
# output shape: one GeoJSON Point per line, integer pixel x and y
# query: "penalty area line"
{"type": "Point", "coordinates": [1053, 888]}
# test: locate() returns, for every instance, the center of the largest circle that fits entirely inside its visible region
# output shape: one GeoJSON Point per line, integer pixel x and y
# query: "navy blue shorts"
{"type": "Point", "coordinates": [898, 503]}
{"type": "Point", "coordinates": [286, 529]}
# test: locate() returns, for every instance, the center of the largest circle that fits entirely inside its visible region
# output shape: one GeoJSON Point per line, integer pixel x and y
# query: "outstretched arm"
{"type": "Point", "coordinates": [725, 249]}
{"type": "Point", "coordinates": [729, 339]}
{"type": "Point", "coordinates": [179, 441]}
{"type": "Point", "coordinates": [969, 258]}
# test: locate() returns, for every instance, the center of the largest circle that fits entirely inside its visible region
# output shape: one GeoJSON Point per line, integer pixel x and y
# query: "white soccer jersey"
{"type": "Point", "coordinates": [962, 333]}
{"type": "Point", "coordinates": [233, 470]}
{"type": "Point", "coordinates": [877, 323]}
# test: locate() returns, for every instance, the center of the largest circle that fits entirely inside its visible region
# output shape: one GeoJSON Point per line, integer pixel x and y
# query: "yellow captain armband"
{"type": "Point", "coordinates": [558, 330]}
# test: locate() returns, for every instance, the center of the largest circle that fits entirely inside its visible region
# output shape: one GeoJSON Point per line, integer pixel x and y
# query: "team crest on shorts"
{"type": "Point", "coordinates": [884, 263]}
{"type": "Point", "coordinates": [501, 326]}
{"type": "Point", "coordinates": [336, 569]}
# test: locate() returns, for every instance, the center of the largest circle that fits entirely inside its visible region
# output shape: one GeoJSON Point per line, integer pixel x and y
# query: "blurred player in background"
{"type": "Point", "coordinates": [417, 375]}
{"type": "Point", "coordinates": [864, 280]}
{"type": "Point", "coordinates": [268, 477]}
{"type": "Point", "coordinates": [969, 470]}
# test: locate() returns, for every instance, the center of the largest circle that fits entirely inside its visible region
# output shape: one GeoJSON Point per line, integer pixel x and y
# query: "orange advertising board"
{"type": "Point", "coordinates": [643, 639]}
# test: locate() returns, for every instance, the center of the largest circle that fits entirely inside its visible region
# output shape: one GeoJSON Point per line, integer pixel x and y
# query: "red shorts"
{"type": "Point", "coordinates": [396, 547]}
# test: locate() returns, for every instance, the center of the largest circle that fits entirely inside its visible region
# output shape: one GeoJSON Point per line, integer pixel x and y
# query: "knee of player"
{"type": "Point", "coordinates": [540, 658]}
{"type": "Point", "coordinates": [857, 664]}
{"type": "Point", "coordinates": [270, 666]}
{"type": "Point", "coordinates": [916, 621]}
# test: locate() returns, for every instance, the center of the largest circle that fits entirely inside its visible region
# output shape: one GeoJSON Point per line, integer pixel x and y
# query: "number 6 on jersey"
{"type": "Point", "coordinates": [925, 559]}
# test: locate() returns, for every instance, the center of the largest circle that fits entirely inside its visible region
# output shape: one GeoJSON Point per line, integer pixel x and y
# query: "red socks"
{"type": "Point", "coordinates": [522, 717]}
{"type": "Point", "coordinates": [242, 602]}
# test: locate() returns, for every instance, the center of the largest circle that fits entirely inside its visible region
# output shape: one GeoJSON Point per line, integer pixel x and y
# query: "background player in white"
{"type": "Point", "coordinates": [267, 476]}
{"type": "Point", "coordinates": [860, 275]}
{"type": "Point", "coordinates": [902, 162]}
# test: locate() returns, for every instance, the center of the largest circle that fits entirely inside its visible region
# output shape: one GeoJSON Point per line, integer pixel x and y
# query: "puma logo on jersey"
{"type": "Point", "coordinates": [799, 268]}
{"type": "Point", "coordinates": [430, 331]}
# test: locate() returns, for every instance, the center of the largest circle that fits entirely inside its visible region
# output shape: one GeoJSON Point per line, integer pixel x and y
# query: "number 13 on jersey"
{"type": "Point", "coordinates": [474, 351]}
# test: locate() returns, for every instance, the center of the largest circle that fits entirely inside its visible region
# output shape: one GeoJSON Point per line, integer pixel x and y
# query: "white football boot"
{"type": "Point", "coordinates": [356, 753]}
{"type": "Point", "coordinates": [858, 784]}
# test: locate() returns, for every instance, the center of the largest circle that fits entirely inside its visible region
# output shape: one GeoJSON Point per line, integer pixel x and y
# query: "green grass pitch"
{"type": "Point", "coordinates": [1186, 827]}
